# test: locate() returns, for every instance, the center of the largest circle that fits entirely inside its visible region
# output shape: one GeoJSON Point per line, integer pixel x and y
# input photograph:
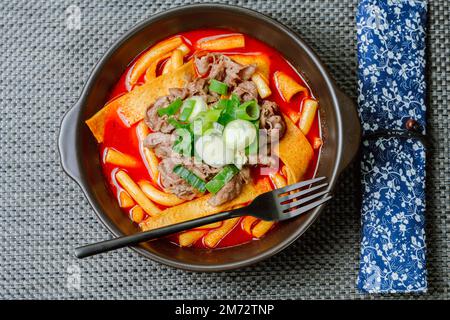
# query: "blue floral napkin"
{"type": "Point", "coordinates": [391, 56]}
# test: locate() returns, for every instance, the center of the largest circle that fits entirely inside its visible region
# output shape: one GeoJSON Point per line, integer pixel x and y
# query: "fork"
{"type": "Point", "coordinates": [276, 205]}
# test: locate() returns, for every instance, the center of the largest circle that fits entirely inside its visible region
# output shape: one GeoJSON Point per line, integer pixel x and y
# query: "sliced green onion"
{"type": "Point", "coordinates": [234, 100]}
{"type": "Point", "coordinates": [217, 86]}
{"type": "Point", "coordinates": [186, 110]}
{"type": "Point", "coordinates": [197, 127]}
{"type": "Point", "coordinates": [222, 104]}
{"type": "Point", "coordinates": [199, 106]}
{"type": "Point", "coordinates": [190, 177]}
{"type": "Point", "coordinates": [184, 141]}
{"type": "Point", "coordinates": [253, 148]}
{"type": "Point", "coordinates": [229, 112]}
{"type": "Point", "coordinates": [216, 129]}
{"type": "Point", "coordinates": [171, 109]}
{"type": "Point", "coordinates": [222, 178]}
{"type": "Point", "coordinates": [204, 121]}
{"type": "Point", "coordinates": [183, 144]}
{"type": "Point", "coordinates": [177, 124]}
{"type": "Point", "coordinates": [248, 111]}
{"type": "Point", "coordinates": [225, 118]}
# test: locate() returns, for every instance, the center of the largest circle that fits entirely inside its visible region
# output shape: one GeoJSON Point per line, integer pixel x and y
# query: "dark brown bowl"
{"type": "Point", "coordinates": [79, 150]}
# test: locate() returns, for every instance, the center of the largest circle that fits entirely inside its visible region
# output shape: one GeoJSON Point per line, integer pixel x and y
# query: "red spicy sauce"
{"type": "Point", "coordinates": [124, 139]}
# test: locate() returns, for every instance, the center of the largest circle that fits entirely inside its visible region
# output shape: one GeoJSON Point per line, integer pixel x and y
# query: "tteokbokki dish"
{"type": "Point", "coordinates": [203, 122]}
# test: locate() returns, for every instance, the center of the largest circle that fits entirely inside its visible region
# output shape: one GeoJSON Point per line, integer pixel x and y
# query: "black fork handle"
{"type": "Point", "coordinates": [134, 239]}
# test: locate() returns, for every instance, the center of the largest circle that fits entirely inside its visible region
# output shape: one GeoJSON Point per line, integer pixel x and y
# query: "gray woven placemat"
{"type": "Point", "coordinates": [44, 215]}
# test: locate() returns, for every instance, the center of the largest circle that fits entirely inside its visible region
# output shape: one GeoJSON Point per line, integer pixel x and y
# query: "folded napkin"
{"type": "Point", "coordinates": [391, 56]}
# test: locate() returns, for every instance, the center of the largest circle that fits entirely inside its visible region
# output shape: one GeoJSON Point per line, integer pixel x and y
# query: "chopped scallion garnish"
{"type": "Point", "coordinates": [252, 149]}
{"type": "Point", "coordinates": [229, 112]}
{"type": "Point", "coordinates": [171, 109]}
{"type": "Point", "coordinates": [183, 143]}
{"type": "Point", "coordinates": [204, 121]}
{"type": "Point", "coordinates": [222, 104]}
{"type": "Point", "coordinates": [218, 87]}
{"type": "Point", "coordinates": [248, 111]}
{"type": "Point", "coordinates": [222, 178]}
{"type": "Point", "coordinates": [190, 177]}
{"type": "Point", "coordinates": [186, 111]}
{"type": "Point", "coordinates": [177, 124]}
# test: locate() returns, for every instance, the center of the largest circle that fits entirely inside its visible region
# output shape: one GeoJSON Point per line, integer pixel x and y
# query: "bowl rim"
{"type": "Point", "coordinates": [112, 228]}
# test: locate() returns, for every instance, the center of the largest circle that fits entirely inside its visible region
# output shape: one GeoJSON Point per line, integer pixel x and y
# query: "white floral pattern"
{"type": "Point", "coordinates": [393, 206]}
{"type": "Point", "coordinates": [391, 56]}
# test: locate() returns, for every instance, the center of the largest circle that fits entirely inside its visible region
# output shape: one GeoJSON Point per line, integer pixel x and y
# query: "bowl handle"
{"type": "Point", "coordinates": [351, 129]}
{"type": "Point", "coordinates": [67, 142]}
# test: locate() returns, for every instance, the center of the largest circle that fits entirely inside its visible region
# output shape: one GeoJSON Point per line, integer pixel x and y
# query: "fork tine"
{"type": "Point", "coordinates": [294, 213]}
{"type": "Point", "coordinates": [294, 204]}
{"type": "Point", "coordinates": [302, 192]}
{"type": "Point", "coordinates": [298, 185]}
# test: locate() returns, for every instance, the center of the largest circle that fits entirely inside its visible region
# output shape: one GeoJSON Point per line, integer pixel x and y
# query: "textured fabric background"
{"type": "Point", "coordinates": [44, 215]}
